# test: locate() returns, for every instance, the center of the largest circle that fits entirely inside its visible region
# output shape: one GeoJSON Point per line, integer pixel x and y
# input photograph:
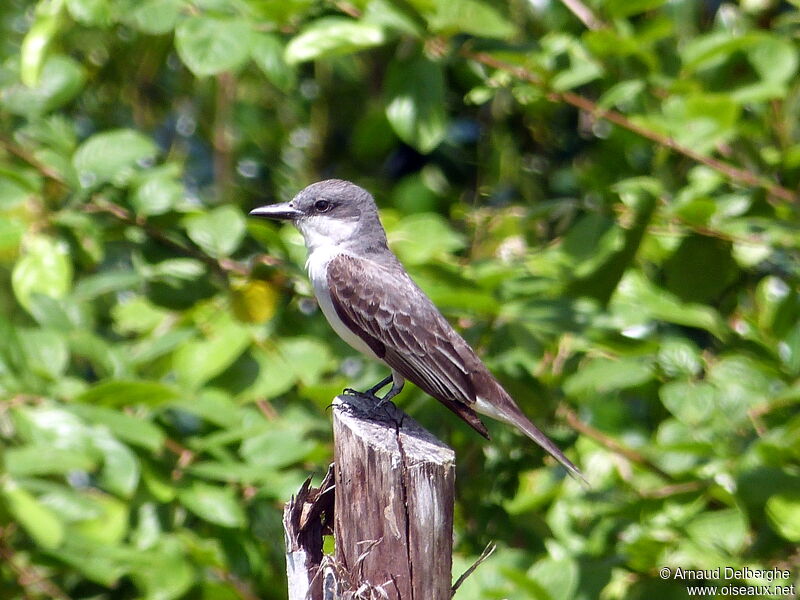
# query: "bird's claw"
{"type": "Point", "coordinates": [378, 403]}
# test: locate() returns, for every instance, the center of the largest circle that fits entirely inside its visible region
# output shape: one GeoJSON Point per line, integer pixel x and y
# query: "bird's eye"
{"type": "Point", "coordinates": [322, 206]}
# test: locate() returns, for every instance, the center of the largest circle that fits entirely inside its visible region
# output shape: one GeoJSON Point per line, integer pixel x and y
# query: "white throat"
{"type": "Point", "coordinates": [321, 231]}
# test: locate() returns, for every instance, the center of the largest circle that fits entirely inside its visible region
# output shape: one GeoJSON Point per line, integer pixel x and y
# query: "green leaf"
{"type": "Point", "coordinates": [701, 121]}
{"type": "Point", "coordinates": [39, 459]}
{"type": "Point", "coordinates": [415, 102]}
{"type": "Point", "coordinates": [602, 375]}
{"type": "Point", "coordinates": [44, 268]}
{"type": "Point", "coordinates": [276, 448]}
{"type": "Point", "coordinates": [218, 232]}
{"type": "Point", "coordinates": [148, 528]}
{"type": "Point", "coordinates": [708, 51]}
{"type": "Point", "coordinates": [137, 315]}
{"type": "Point", "coordinates": [210, 45]}
{"type": "Point", "coordinates": [153, 16]}
{"type": "Point", "coordinates": [101, 563]}
{"type": "Point", "coordinates": [198, 361]}
{"type": "Point", "coordinates": [622, 93]}
{"type": "Point", "coordinates": [157, 194]}
{"type": "Point", "coordinates": [61, 79]}
{"type": "Point", "coordinates": [46, 353]}
{"type": "Point", "coordinates": [50, 425]}
{"type": "Point", "coordinates": [774, 59]}
{"type": "Point", "coordinates": [60, 315]}
{"type": "Point", "coordinates": [11, 232]}
{"type": "Point", "coordinates": [179, 268]}
{"type": "Point", "coordinates": [640, 300]}
{"type": "Point", "coordinates": [108, 528]}
{"type": "Point", "coordinates": [41, 523]}
{"type": "Point", "coordinates": [583, 67]}
{"type": "Point", "coordinates": [267, 52]}
{"type": "Point", "coordinates": [420, 238]}
{"type": "Point", "coordinates": [156, 346]}
{"type": "Point", "coordinates": [332, 36]}
{"type": "Point", "coordinates": [213, 504]}
{"type": "Point", "coordinates": [167, 574]}
{"type": "Point", "coordinates": [394, 17]}
{"type": "Point", "coordinates": [133, 430]}
{"type": "Point", "coordinates": [46, 24]}
{"type": "Point", "coordinates": [691, 403]}
{"type": "Point", "coordinates": [90, 12]}
{"type": "Point", "coordinates": [679, 356]}
{"type": "Point", "coordinates": [453, 17]}
{"type": "Point", "coordinates": [275, 375]}
{"type": "Point", "coordinates": [721, 530]}
{"type": "Point", "coordinates": [158, 484]}
{"type": "Point", "coordinates": [557, 578]}
{"type": "Point", "coordinates": [71, 505]}
{"type": "Point", "coordinates": [213, 405]}
{"type": "Point", "coordinates": [112, 156]}
{"type": "Point", "coordinates": [742, 383]}
{"type": "Point", "coordinates": [129, 393]}
{"type": "Point", "coordinates": [120, 472]}
{"type": "Point", "coordinates": [307, 358]}
{"type": "Point", "coordinates": [93, 286]}
{"type": "Point", "coordinates": [783, 513]}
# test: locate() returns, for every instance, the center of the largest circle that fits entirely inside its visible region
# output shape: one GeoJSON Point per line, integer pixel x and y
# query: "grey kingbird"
{"type": "Point", "coordinates": [373, 304]}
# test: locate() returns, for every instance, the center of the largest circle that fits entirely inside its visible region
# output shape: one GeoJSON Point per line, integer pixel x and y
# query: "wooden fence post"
{"type": "Point", "coordinates": [393, 515]}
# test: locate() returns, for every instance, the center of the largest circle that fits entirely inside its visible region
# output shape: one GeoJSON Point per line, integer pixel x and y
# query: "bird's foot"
{"type": "Point", "coordinates": [367, 396]}
{"type": "Point", "coordinates": [372, 393]}
{"type": "Point", "coordinates": [377, 401]}
{"type": "Point", "coordinates": [373, 406]}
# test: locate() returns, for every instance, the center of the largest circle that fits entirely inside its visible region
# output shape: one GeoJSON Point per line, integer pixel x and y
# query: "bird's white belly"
{"type": "Point", "coordinates": [317, 267]}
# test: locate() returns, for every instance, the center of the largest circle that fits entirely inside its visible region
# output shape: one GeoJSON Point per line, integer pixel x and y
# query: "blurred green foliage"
{"type": "Point", "coordinates": [164, 384]}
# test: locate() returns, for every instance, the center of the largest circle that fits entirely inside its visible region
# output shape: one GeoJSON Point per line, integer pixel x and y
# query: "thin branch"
{"type": "Point", "coordinates": [222, 266]}
{"type": "Point", "coordinates": [348, 9]}
{"type": "Point", "coordinates": [185, 457]}
{"type": "Point", "coordinates": [610, 443]}
{"type": "Point", "coordinates": [267, 409]}
{"type": "Point", "coordinates": [29, 158]}
{"type": "Point", "coordinates": [674, 489]}
{"type": "Point", "coordinates": [757, 413]}
{"type": "Point", "coordinates": [730, 171]}
{"type": "Point", "coordinates": [30, 579]}
{"type": "Point", "coordinates": [487, 552]}
{"type": "Point", "coordinates": [584, 14]}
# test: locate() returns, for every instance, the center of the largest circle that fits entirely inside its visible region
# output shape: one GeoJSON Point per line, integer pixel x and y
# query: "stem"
{"type": "Point", "coordinates": [584, 14]}
{"type": "Point", "coordinates": [222, 266]}
{"type": "Point", "coordinates": [732, 172]}
{"type": "Point", "coordinates": [611, 444]}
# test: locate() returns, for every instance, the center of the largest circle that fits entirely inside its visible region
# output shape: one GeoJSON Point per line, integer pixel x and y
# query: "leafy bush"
{"type": "Point", "coordinates": [605, 205]}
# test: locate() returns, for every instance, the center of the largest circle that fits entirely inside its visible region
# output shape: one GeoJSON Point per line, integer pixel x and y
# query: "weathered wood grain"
{"type": "Point", "coordinates": [393, 521]}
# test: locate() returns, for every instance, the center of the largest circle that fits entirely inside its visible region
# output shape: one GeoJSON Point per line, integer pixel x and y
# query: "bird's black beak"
{"type": "Point", "coordinates": [282, 211]}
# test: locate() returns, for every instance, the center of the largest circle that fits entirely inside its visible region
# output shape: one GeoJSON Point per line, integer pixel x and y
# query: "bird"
{"type": "Point", "coordinates": [374, 305]}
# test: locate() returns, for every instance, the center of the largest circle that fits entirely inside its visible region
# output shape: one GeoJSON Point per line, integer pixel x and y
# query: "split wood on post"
{"type": "Point", "coordinates": [393, 515]}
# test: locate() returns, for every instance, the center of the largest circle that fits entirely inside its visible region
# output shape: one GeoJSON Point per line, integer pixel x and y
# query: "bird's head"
{"type": "Point", "coordinates": [331, 212]}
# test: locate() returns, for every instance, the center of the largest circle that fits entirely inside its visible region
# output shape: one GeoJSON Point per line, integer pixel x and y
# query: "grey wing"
{"type": "Point", "coordinates": [402, 326]}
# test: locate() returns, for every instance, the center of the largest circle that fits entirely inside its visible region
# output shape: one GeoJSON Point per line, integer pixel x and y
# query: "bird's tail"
{"type": "Point", "coordinates": [503, 408]}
